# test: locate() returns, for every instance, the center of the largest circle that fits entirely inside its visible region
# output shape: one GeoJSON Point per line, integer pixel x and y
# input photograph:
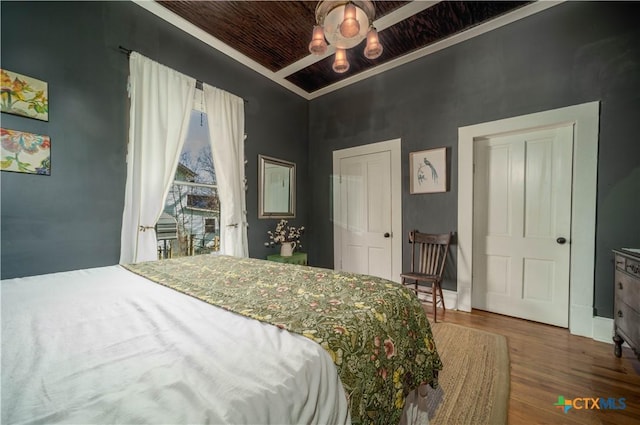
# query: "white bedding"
{"type": "Point", "coordinates": [107, 346]}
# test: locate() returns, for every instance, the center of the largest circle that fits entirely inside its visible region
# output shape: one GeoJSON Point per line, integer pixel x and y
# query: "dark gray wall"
{"type": "Point", "coordinates": [573, 53]}
{"type": "Point", "coordinates": [570, 54]}
{"type": "Point", "coordinates": [72, 219]}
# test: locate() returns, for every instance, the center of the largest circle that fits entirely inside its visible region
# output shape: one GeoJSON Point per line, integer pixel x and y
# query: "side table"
{"type": "Point", "coordinates": [297, 258]}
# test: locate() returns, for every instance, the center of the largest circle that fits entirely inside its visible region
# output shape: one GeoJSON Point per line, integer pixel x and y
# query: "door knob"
{"type": "Point", "coordinates": [561, 240]}
{"type": "Point", "coordinates": [387, 235]}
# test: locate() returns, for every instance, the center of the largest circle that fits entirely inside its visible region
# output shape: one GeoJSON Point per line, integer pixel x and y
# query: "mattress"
{"type": "Point", "coordinates": [105, 345]}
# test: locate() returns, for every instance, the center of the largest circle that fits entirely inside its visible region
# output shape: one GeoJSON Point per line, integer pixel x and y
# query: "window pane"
{"type": "Point", "coordinates": [196, 162]}
{"type": "Point", "coordinates": [192, 205]}
{"type": "Point", "coordinates": [203, 202]}
{"type": "Point", "coordinates": [210, 225]}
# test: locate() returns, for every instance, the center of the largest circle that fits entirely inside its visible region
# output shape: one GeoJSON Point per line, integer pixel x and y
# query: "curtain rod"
{"type": "Point", "coordinates": [198, 82]}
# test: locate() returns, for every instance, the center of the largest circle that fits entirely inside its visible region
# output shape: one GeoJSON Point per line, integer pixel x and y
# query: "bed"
{"type": "Point", "coordinates": [213, 339]}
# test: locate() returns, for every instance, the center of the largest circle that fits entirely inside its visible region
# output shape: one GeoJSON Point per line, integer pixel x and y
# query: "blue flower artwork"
{"type": "Point", "coordinates": [24, 152]}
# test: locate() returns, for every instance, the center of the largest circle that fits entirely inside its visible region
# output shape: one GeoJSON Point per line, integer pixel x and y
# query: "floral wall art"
{"type": "Point", "coordinates": [25, 152]}
{"type": "Point", "coordinates": [22, 95]}
{"type": "Point", "coordinates": [428, 171]}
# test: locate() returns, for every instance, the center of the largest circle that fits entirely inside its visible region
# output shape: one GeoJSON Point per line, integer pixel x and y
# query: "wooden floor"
{"type": "Point", "coordinates": [547, 362]}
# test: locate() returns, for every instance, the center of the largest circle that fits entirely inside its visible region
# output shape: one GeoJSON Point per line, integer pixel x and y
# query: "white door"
{"type": "Point", "coordinates": [522, 222]}
{"type": "Point", "coordinates": [364, 211]}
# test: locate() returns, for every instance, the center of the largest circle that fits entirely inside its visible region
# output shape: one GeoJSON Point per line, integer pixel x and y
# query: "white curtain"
{"type": "Point", "coordinates": [161, 102]}
{"type": "Point", "coordinates": [225, 115]}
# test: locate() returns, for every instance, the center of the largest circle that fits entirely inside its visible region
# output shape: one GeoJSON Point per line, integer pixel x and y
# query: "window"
{"type": "Point", "coordinates": [203, 203]}
{"type": "Point", "coordinates": [210, 225]}
{"type": "Point", "coordinates": [193, 198]}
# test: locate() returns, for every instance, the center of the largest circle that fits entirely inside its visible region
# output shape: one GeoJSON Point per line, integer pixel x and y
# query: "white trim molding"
{"type": "Point", "coordinates": [383, 22]}
{"type": "Point", "coordinates": [585, 121]}
{"type": "Point", "coordinates": [603, 329]}
{"type": "Point", "coordinates": [520, 13]}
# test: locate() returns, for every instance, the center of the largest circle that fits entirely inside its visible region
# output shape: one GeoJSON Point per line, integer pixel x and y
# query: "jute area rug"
{"type": "Point", "coordinates": [474, 381]}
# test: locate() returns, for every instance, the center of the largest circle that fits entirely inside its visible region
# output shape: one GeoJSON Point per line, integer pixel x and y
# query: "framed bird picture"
{"type": "Point", "coordinates": [428, 171]}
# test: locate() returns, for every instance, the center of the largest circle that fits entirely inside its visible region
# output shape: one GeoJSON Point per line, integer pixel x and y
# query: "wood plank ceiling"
{"type": "Point", "coordinates": [276, 34]}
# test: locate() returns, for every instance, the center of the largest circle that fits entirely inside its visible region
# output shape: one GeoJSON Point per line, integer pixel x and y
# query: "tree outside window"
{"type": "Point", "coordinates": [193, 199]}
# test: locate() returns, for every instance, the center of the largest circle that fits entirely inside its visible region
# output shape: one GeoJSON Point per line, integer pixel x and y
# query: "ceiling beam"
{"type": "Point", "coordinates": [386, 21]}
{"type": "Point", "coordinates": [491, 25]}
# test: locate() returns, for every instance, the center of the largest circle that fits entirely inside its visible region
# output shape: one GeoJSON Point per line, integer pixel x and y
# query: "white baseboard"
{"type": "Point", "coordinates": [584, 323]}
{"type": "Point", "coordinates": [581, 320]}
{"type": "Point", "coordinates": [603, 329]}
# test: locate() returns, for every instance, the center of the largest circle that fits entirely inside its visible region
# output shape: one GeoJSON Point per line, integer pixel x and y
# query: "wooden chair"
{"type": "Point", "coordinates": [428, 256]}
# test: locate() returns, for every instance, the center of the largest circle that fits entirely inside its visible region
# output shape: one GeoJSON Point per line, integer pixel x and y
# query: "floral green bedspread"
{"type": "Point", "coordinates": [375, 330]}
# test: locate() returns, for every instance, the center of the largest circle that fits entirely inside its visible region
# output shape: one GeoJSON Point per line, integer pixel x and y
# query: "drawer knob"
{"type": "Point", "coordinates": [619, 313]}
{"type": "Point", "coordinates": [620, 285]}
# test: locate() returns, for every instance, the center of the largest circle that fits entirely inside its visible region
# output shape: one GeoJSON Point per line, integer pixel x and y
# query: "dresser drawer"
{"type": "Point", "coordinates": [628, 289]}
{"type": "Point", "coordinates": [627, 321]}
{"type": "Point", "coordinates": [628, 265]}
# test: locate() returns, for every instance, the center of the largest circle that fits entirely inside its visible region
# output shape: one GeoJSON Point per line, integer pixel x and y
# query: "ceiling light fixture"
{"type": "Point", "coordinates": [344, 24]}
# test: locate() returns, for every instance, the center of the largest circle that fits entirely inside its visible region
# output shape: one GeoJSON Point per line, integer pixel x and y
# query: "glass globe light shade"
{"type": "Point", "coordinates": [318, 46]}
{"type": "Point", "coordinates": [373, 50]}
{"type": "Point", "coordinates": [340, 63]}
{"type": "Point", "coordinates": [350, 27]}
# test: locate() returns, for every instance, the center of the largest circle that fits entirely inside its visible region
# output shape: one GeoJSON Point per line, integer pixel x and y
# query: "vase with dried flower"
{"type": "Point", "coordinates": [288, 237]}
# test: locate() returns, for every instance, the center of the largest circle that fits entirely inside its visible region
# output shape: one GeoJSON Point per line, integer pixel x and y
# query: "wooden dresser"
{"type": "Point", "coordinates": [626, 310]}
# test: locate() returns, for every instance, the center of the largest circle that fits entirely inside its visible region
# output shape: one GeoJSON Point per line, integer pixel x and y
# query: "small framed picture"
{"type": "Point", "coordinates": [24, 152]}
{"type": "Point", "coordinates": [428, 171]}
{"type": "Point", "coordinates": [26, 96]}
